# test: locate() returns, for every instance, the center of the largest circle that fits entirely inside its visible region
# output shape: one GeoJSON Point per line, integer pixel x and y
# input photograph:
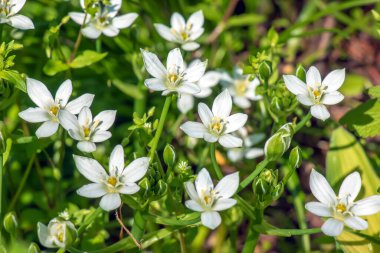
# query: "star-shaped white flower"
{"type": "Point", "coordinates": [119, 179]}
{"type": "Point", "coordinates": [247, 151]}
{"type": "Point", "coordinates": [241, 88]}
{"type": "Point", "coordinates": [48, 108]}
{"type": "Point", "coordinates": [104, 21]}
{"type": "Point", "coordinates": [175, 77]}
{"type": "Point", "coordinates": [208, 200]}
{"type": "Point", "coordinates": [8, 14]}
{"type": "Point", "coordinates": [87, 130]}
{"type": "Point", "coordinates": [57, 234]}
{"type": "Point", "coordinates": [182, 32]}
{"type": "Point", "coordinates": [217, 125]}
{"type": "Point", "coordinates": [317, 93]}
{"type": "Point", "coordinates": [185, 102]}
{"type": "Point", "coordinates": [341, 209]}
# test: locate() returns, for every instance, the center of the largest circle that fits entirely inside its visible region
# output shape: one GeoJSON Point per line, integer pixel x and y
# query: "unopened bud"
{"type": "Point", "coordinates": [295, 157]}
{"type": "Point", "coordinates": [10, 223]}
{"type": "Point", "coordinates": [279, 143]}
{"type": "Point", "coordinates": [169, 155]}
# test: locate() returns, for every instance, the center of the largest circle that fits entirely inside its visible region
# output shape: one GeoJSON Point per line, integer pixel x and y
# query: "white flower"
{"type": "Point", "coordinates": [209, 200]}
{"type": "Point", "coordinates": [247, 152]}
{"type": "Point", "coordinates": [8, 14]}
{"type": "Point", "coordinates": [58, 234]}
{"type": "Point", "coordinates": [341, 209]}
{"type": "Point", "coordinates": [104, 21]}
{"type": "Point", "coordinates": [317, 93]}
{"type": "Point", "coordinates": [217, 125]}
{"type": "Point", "coordinates": [87, 130]}
{"type": "Point", "coordinates": [184, 33]}
{"type": "Point", "coordinates": [185, 102]}
{"type": "Point", "coordinates": [241, 88]}
{"type": "Point", "coordinates": [109, 186]}
{"type": "Point", "coordinates": [176, 77]}
{"type": "Point", "coordinates": [48, 108]}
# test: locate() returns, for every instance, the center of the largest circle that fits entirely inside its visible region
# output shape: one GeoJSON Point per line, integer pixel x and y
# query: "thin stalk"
{"type": "Point", "coordinates": [99, 45]}
{"type": "Point", "coordinates": [182, 242]}
{"type": "Point", "coordinates": [251, 240]}
{"type": "Point", "coordinates": [302, 123]}
{"type": "Point", "coordinates": [79, 39]}
{"type": "Point", "coordinates": [252, 176]}
{"type": "Point", "coordinates": [138, 226]}
{"type": "Point", "coordinates": [215, 165]}
{"type": "Point", "coordinates": [160, 127]}
{"type": "Point", "coordinates": [22, 184]}
{"type": "Point", "coordinates": [127, 230]}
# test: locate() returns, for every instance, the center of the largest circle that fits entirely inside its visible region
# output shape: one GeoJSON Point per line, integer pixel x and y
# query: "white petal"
{"type": "Point", "coordinates": [177, 21]}
{"type": "Point", "coordinates": [110, 201]}
{"type": "Point", "coordinates": [205, 114]}
{"type": "Point", "coordinates": [116, 5]}
{"type": "Point", "coordinates": [223, 204]}
{"type": "Point", "coordinates": [193, 129]}
{"type": "Point", "coordinates": [254, 153]}
{"type": "Point", "coordinates": [209, 79]}
{"type": "Point", "coordinates": [130, 188]}
{"type": "Point", "coordinates": [101, 136]}
{"type": "Point", "coordinates": [305, 100]}
{"type": "Point", "coordinates": [78, 17]}
{"type": "Point", "coordinates": [21, 22]}
{"type": "Point", "coordinates": [211, 219]}
{"type": "Point", "coordinates": [194, 72]}
{"type": "Point", "coordinates": [86, 146]}
{"type": "Point", "coordinates": [334, 79]}
{"type": "Point", "coordinates": [155, 84]}
{"type": "Point", "coordinates": [16, 5]}
{"type": "Point", "coordinates": [85, 116]}
{"type": "Point", "coordinates": [367, 206]}
{"type": "Point", "coordinates": [320, 112]}
{"type": "Point", "coordinates": [110, 31]}
{"type": "Point", "coordinates": [175, 60]}
{"type": "Point", "coordinates": [188, 88]}
{"type": "Point", "coordinates": [68, 120]}
{"type": "Point", "coordinates": [350, 187]}
{"type": "Point", "coordinates": [90, 169]}
{"type": "Point", "coordinates": [185, 103]}
{"type": "Point", "coordinates": [319, 209]}
{"type": "Point", "coordinates": [321, 189]}
{"type": "Point", "coordinates": [230, 141]}
{"type": "Point", "coordinates": [47, 129]}
{"type": "Point", "coordinates": [313, 77]}
{"type": "Point", "coordinates": [165, 32]}
{"type": "Point", "coordinates": [235, 154]}
{"type": "Point", "coordinates": [153, 65]}
{"type": "Point", "coordinates": [356, 223]}
{"type": "Point", "coordinates": [295, 85]}
{"type": "Point", "coordinates": [195, 34]}
{"type": "Point", "coordinates": [227, 186]}
{"type": "Point", "coordinates": [64, 92]}
{"type": "Point", "coordinates": [34, 115]}
{"type": "Point", "coordinates": [332, 98]}
{"type": "Point", "coordinates": [76, 105]}
{"type": "Point", "coordinates": [93, 190]}
{"type": "Point", "coordinates": [124, 21]}
{"type": "Point", "coordinates": [193, 205]}
{"type": "Point", "coordinates": [203, 182]}
{"type": "Point", "coordinates": [210, 137]}
{"type": "Point", "coordinates": [136, 170]}
{"type": "Point", "coordinates": [222, 105]}
{"type": "Point", "coordinates": [242, 102]}
{"type": "Point", "coordinates": [106, 119]}
{"type": "Point", "coordinates": [39, 94]}
{"type": "Point", "coordinates": [190, 189]}
{"type": "Point", "coordinates": [235, 122]}
{"type": "Point", "coordinates": [116, 163]}
{"type": "Point", "coordinates": [196, 20]}
{"type": "Point", "coordinates": [91, 32]}
{"type": "Point", "coordinates": [75, 134]}
{"type": "Point", "coordinates": [190, 46]}
{"type": "Point", "coordinates": [43, 235]}
{"type": "Point", "coordinates": [332, 227]}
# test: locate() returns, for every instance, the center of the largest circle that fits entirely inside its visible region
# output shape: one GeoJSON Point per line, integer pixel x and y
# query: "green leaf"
{"type": "Point", "coordinates": [268, 229]}
{"type": "Point", "coordinates": [182, 220]}
{"type": "Point", "coordinates": [52, 67]}
{"type": "Point", "coordinates": [364, 119]}
{"type": "Point", "coordinates": [128, 89]}
{"type": "Point", "coordinates": [15, 78]}
{"type": "Point", "coordinates": [346, 155]}
{"type": "Point", "coordinates": [245, 19]}
{"type": "Point", "coordinates": [354, 85]}
{"type": "Point", "coordinates": [374, 92]}
{"type": "Point", "coordinates": [87, 58]}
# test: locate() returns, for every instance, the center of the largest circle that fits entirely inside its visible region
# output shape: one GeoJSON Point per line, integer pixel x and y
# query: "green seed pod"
{"type": "Point", "coordinates": [301, 72]}
{"type": "Point", "coordinates": [33, 248]}
{"type": "Point", "coordinates": [295, 157]}
{"type": "Point", "coordinates": [261, 188]}
{"type": "Point", "coordinates": [169, 155]}
{"type": "Point", "coordinates": [10, 223]}
{"type": "Point", "coordinates": [265, 70]}
{"type": "Point", "coordinates": [151, 111]}
{"type": "Point", "coordinates": [279, 143]}
{"type": "Point", "coordinates": [277, 191]}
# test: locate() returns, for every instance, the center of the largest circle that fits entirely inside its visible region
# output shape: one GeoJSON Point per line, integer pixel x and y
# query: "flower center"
{"type": "Point", "coordinates": [208, 197]}
{"type": "Point", "coordinates": [241, 87]}
{"type": "Point", "coordinates": [61, 236]}
{"type": "Point", "coordinates": [87, 131]}
{"type": "Point", "coordinates": [217, 125]}
{"type": "Point", "coordinates": [184, 35]}
{"type": "Point", "coordinates": [112, 181]}
{"type": "Point", "coordinates": [5, 7]}
{"type": "Point", "coordinates": [54, 110]}
{"type": "Point", "coordinates": [173, 78]}
{"type": "Point", "coordinates": [341, 208]}
{"type": "Point", "coordinates": [317, 92]}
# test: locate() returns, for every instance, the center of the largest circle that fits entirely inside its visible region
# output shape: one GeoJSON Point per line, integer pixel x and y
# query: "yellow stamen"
{"type": "Point", "coordinates": [61, 237]}
{"type": "Point", "coordinates": [241, 86]}
{"type": "Point", "coordinates": [184, 35]}
{"type": "Point", "coordinates": [54, 110]}
{"type": "Point", "coordinates": [207, 199]}
{"type": "Point", "coordinates": [341, 208]}
{"type": "Point", "coordinates": [112, 181]}
{"type": "Point", "coordinates": [217, 125]}
{"type": "Point", "coordinates": [173, 78]}
{"type": "Point", "coordinates": [316, 93]}
{"type": "Point", "coordinates": [87, 131]}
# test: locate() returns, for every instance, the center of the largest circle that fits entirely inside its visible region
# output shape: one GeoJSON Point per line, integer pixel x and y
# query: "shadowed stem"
{"type": "Point", "coordinates": [215, 165]}
{"type": "Point", "coordinates": [127, 230]}
{"type": "Point", "coordinates": [79, 39]}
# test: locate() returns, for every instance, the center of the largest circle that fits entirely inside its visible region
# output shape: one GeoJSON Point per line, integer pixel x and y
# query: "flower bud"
{"type": "Point", "coordinates": [58, 234]}
{"type": "Point", "coordinates": [265, 70]}
{"type": "Point", "coordinates": [279, 143]}
{"type": "Point", "coordinates": [151, 111]}
{"type": "Point", "coordinates": [169, 155]}
{"type": "Point", "coordinates": [33, 248]}
{"type": "Point", "coordinates": [277, 191]}
{"type": "Point", "coordinates": [10, 223]}
{"type": "Point", "coordinates": [3, 146]}
{"type": "Point", "coordinates": [295, 157]}
{"type": "Point", "coordinates": [301, 72]}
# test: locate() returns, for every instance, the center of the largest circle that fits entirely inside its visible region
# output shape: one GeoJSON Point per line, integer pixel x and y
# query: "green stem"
{"type": "Point", "coordinates": [215, 165]}
{"type": "Point", "coordinates": [22, 184]}
{"type": "Point", "coordinates": [251, 240]}
{"type": "Point", "coordinates": [78, 41]}
{"type": "Point", "coordinates": [254, 174]}
{"type": "Point", "coordinates": [302, 123]}
{"type": "Point", "coordinates": [99, 44]}
{"type": "Point", "coordinates": [1, 191]}
{"type": "Point", "coordinates": [160, 127]}
{"type": "Point", "coordinates": [1, 32]}
{"type": "Point", "coordinates": [89, 219]}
